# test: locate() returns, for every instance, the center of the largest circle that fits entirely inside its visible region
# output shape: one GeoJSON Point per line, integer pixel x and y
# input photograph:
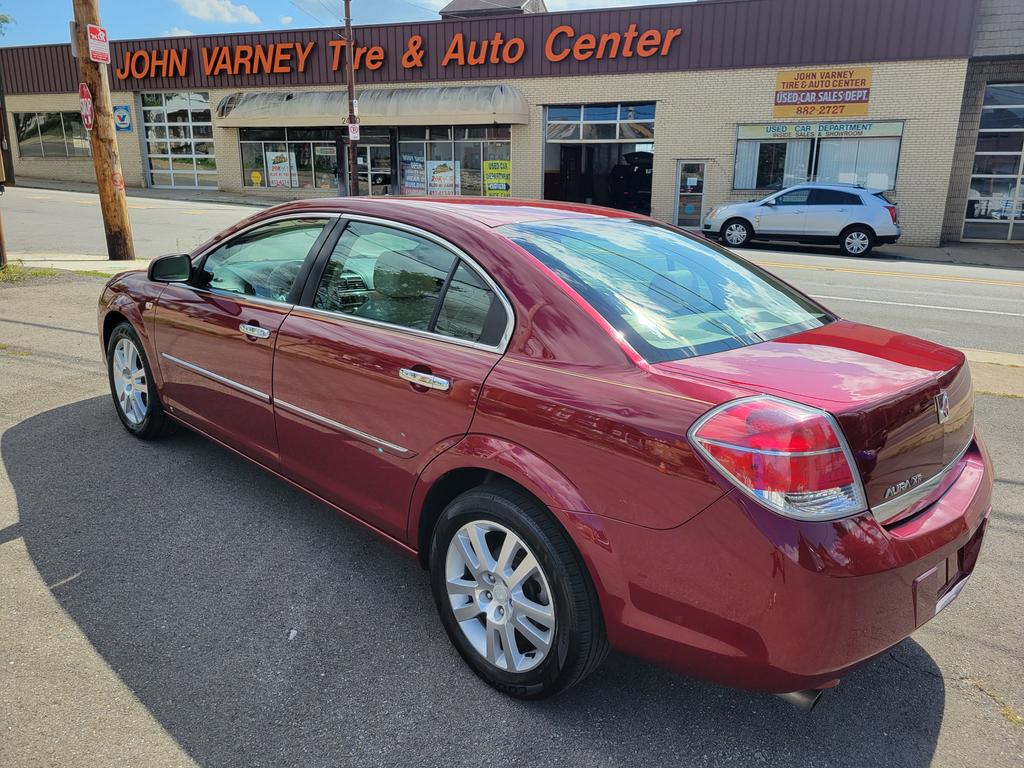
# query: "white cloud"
{"type": "Point", "coordinates": [286, 20]}
{"type": "Point", "coordinates": [178, 32]}
{"type": "Point", "coordinates": [219, 10]}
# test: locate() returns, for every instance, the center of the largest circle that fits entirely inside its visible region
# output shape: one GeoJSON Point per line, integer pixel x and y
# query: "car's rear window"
{"type": "Point", "coordinates": [669, 295]}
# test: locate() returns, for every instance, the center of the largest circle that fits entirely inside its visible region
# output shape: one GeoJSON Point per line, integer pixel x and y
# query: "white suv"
{"type": "Point", "coordinates": [855, 218]}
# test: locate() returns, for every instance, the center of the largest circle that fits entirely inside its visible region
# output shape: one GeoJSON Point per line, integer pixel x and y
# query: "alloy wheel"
{"type": "Point", "coordinates": [856, 242]}
{"type": "Point", "coordinates": [735, 234]}
{"type": "Point", "coordinates": [500, 596]}
{"type": "Point", "coordinates": [130, 382]}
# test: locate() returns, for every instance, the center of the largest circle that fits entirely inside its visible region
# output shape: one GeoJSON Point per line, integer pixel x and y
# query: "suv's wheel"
{"type": "Point", "coordinates": [737, 232]}
{"type": "Point", "coordinates": [856, 241]}
{"type": "Point", "coordinates": [132, 387]}
{"type": "Point", "coordinates": [513, 594]}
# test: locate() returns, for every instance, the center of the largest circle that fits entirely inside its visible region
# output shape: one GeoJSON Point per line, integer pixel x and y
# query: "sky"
{"type": "Point", "coordinates": [46, 21]}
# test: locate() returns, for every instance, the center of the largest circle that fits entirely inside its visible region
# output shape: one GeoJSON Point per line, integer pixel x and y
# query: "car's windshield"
{"type": "Point", "coordinates": [669, 295]}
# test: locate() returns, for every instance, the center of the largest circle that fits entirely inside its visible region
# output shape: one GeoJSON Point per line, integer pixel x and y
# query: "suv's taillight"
{"type": "Point", "coordinates": [892, 212]}
{"type": "Point", "coordinates": [790, 457]}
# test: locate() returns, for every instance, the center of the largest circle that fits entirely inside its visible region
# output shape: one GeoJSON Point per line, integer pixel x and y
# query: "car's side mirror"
{"type": "Point", "coordinates": [175, 268]}
{"type": "Point", "coordinates": [768, 202]}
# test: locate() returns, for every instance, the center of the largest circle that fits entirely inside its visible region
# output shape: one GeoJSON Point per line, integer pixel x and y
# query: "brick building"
{"type": "Point", "coordinates": [667, 109]}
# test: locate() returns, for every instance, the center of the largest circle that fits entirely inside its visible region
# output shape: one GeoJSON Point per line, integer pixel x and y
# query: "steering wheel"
{"type": "Point", "coordinates": [281, 279]}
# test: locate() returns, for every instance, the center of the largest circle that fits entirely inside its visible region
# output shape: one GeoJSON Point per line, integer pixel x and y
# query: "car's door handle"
{"type": "Point", "coordinates": [254, 331]}
{"type": "Point", "coordinates": [427, 380]}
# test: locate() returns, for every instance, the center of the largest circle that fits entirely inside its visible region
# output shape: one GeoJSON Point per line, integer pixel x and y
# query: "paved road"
{"type": "Point", "coordinates": [973, 307]}
{"type": "Point", "coordinates": [166, 604]}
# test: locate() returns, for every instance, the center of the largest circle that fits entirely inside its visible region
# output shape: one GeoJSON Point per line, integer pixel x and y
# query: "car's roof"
{"type": "Point", "coordinates": [835, 185]}
{"type": "Point", "coordinates": [489, 213]}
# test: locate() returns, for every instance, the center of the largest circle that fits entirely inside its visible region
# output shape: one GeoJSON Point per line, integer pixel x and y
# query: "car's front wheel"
{"type": "Point", "coordinates": [737, 233]}
{"type": "Point", "coordinates": [132, 387]}
{"type": "Point", "coordinates": [513, 593]}
{"type": "Point", "coordinates": [856, 241]}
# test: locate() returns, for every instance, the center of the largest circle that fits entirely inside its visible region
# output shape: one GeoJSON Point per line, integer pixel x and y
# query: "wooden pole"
{"type": "Point", "coordinates": [102, 139]}
{"type": "Point", "coordinates": [353, 150]}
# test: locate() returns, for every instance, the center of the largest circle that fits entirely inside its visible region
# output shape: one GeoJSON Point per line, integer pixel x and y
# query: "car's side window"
{"type": "Point", "coordinates": [832, 197]}
{"type": "Point", "coordinates": [384, 274]}
{"type": "Point", "coordinates": [263, 262]}
{"type": "Point", "coordinates": [793, 197]}
{"type": "Point", "coordinates": [471, 311]}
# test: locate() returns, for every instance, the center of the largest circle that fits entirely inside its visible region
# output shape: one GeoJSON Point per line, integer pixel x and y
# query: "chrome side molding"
{"type": "Point", "coordinates": [217, 377]}
{"type": "Point", "coordinates": [339, 427]}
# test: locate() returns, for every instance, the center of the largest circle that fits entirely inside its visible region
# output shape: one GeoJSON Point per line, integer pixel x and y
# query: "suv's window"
{"type": "Point", "coordinates": [669, 295]}
{"type": "Point", "coordinates": [384, 274]}
{"type": "Point", "coordinates": [832, 197]}
{"type": "Point", "coordinates": [263, 262]}
{"type": "Point", "coordinates": [793, 197]}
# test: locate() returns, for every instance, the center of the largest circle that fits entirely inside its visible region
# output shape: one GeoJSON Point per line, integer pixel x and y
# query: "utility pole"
{"type": "Point", "coordinates": [102, 139]}
{"type": "Point", "coordinates": [353, 149]}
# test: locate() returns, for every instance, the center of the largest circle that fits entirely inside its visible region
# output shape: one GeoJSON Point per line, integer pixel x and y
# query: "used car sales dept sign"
{"type": "Point", "coordinates": [822, 92]}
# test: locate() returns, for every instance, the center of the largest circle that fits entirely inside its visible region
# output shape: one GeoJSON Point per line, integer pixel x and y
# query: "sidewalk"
{"type": "Point", "coordinates": [1008, 256]}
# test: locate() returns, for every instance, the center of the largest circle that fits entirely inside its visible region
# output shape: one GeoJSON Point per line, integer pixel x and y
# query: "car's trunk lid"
{"type": "Point", "coordinates": [885, 389]}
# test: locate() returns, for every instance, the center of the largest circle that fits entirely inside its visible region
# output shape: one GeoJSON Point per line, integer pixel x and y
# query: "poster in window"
{"type": "Point", "coordinates": [414, 181]}
{"type": "Point", "coordinates": [443, 177]}
{"type": "Point", "coordinates": [497, 178]}
{"type": "Point", "coordinates": [281, 170]}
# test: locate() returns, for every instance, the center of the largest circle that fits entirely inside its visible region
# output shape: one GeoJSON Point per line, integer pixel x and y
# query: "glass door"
{"type": "Point", "coordinates": [374, 168]}
{"type": "Point", "coordinates": [690, 194]}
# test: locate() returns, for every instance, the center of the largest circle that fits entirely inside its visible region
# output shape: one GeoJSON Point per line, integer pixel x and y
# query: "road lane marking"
{"type": "Point", "coordinates": [918, 306]}
{"type": "Point", "coordinates": [912, 275]}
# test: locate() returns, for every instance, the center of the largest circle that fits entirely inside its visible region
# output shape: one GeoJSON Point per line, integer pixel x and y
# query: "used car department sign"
{"type": "Point", "coordinates": [822, 92]}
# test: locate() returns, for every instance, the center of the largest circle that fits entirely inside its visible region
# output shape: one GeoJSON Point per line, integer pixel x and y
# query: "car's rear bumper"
{"type": "Point", "coordinates": [886, 239]}
{"type": "Point", "coordinates": [745, 597]}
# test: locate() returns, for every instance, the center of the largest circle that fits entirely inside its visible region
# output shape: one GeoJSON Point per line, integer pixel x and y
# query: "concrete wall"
{"type": "Point", "coordinates": [979, 74]}
{"type": "Point", "coordinates": [74, 168]}
{"type": "Point", "coordinates": [697, 116]}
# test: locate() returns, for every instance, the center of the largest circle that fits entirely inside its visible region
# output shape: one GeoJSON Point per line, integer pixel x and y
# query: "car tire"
{"type": "Point", "coordinates": [491, 603]}
{"type": "Point", "coordinates": [132, 387]}
{"type": "Point", "coordinates": [856, 241]}
{"type": "Point", "coordinates": [736, 233]}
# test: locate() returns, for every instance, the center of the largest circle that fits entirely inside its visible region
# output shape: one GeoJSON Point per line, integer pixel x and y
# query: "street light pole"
{"type": "Point", "coordinates": [353, 151]}
{"type": "Point", "coordinates": [103, 139]}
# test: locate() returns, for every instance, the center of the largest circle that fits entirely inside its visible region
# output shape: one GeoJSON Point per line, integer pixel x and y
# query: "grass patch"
{"type": "Point", "coordinates": [92, 273]}
{"type": "Point", "coordinates": [16, 272]}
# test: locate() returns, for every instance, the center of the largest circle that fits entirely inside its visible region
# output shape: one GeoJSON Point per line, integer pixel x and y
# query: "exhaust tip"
{"type": "Point", "coordinates": [802, 700]}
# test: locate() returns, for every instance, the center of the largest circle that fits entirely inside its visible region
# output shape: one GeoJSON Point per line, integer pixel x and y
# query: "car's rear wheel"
{"type": "Point", "coordinates": [856, 241]}
{"type": "Point", "coordinates": [132, 387]}
{"type": "Point", "coordinates": [513, 594]}
{"type": "Point", "coordinates": [737, 232]}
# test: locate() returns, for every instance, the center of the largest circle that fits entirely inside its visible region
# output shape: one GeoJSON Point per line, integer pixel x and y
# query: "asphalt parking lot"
{"type": "Point", "coordinates": [169, 604]}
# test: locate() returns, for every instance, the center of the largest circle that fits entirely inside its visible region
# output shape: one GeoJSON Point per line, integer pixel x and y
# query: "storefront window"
{"type": "Point", "coordinates": [289, 157]}
{"type": "Point", "coordinates": [455, 160]}
{"type": "Point", "coordinates": [601, 122]}
{"type": "Point", "coordinates": [779, 155]}
{"type": "Point", "coordinates": [995, 198]}
{"type": "Point", "coordinates": [179, 139]}
{"type": "Point", "coordinates": [50, 134]}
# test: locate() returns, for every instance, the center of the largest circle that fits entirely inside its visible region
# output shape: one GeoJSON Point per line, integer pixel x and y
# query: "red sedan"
{"type": "Point", "coordinates": [593, 429]}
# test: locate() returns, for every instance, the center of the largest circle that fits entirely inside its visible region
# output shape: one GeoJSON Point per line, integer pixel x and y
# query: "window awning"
{"type": "Point", "coordinates": [447, 105]}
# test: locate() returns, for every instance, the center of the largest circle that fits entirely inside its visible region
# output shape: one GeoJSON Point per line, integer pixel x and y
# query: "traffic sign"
{"type": "Point", "coordinates": [85, 99]}
{"type": "Point", "coordinates": [99, 45]}
{"type": "Point", "coordinates": [353, 131]}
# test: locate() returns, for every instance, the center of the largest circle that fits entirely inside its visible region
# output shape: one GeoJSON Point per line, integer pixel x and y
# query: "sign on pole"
{"type": "Point", "coordinates": [85, 99]}
{"type": "Point", "coordinates": [123, 117]}
{"type": "Point", "coordinates": [353, 131]}
{"type": "Point", "coordinates": [99, 45]}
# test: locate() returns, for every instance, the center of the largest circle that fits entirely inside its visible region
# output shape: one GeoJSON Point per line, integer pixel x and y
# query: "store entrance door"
{"type": "Point", "coordinates": [374, 169]}
{"type": "Point", "coordinates": [690, 194]}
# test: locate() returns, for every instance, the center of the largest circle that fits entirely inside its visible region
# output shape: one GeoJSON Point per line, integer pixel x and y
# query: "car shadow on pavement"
{"type": "Point", "coordinates": [260, 628]}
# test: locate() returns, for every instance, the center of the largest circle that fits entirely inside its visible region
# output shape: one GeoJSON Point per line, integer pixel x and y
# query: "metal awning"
{"type": "Point", "coordinates": [446, 105]}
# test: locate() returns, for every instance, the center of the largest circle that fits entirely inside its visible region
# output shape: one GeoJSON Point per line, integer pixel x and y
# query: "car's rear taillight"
{"type": "Point", "coordinates": [790, 457]}
{"type": "Point", "coordinates": [892, 212]}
